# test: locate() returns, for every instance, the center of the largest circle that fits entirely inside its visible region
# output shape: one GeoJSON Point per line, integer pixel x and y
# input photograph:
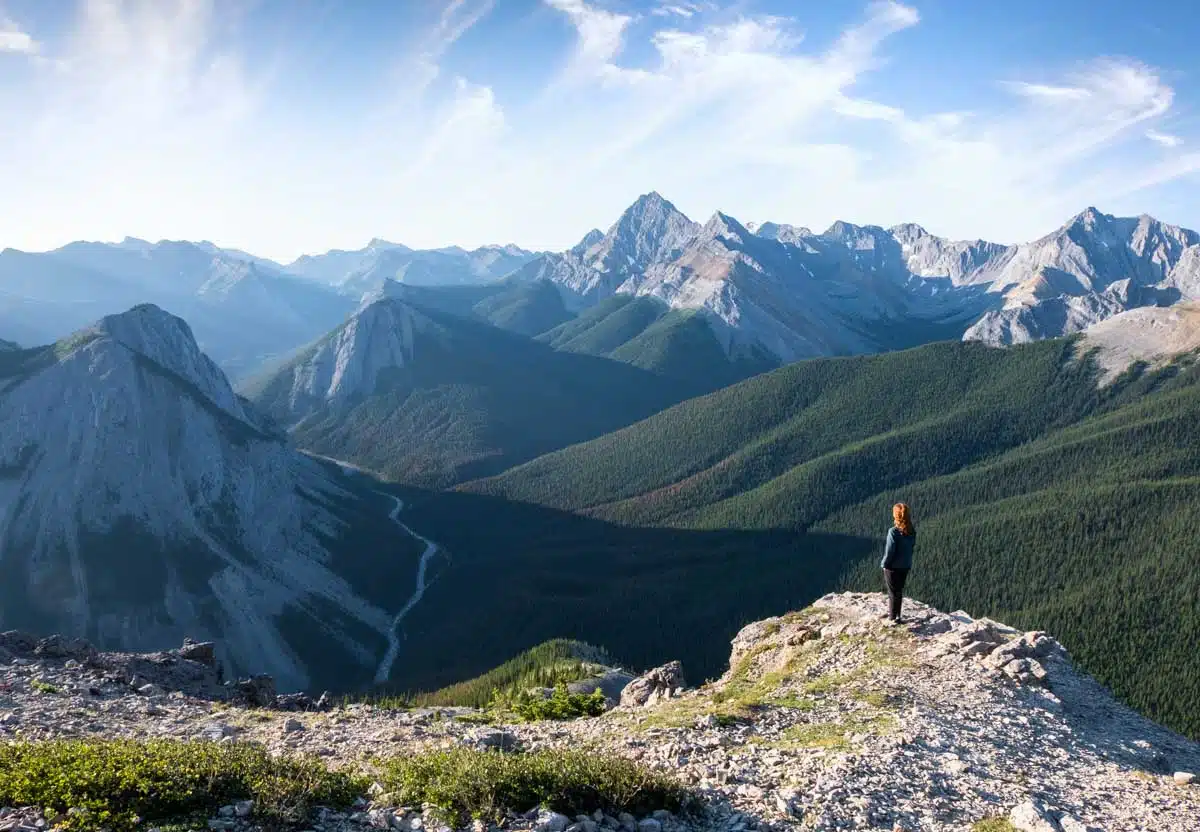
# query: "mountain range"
{"type": "Point", "coordinates": [356, 272]}
{"type": "Point", "coordinates": [760, 295]}
{"type": "Point", "coordinates": [642, 442]}
{"type": "Point", "coordinates": [788, 293]}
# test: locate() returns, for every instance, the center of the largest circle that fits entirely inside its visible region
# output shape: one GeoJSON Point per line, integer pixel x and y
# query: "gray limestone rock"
{"type": "Point", "coordinates": [658, 683]}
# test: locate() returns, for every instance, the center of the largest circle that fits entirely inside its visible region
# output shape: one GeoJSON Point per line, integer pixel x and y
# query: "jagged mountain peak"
{"type": "Point", "coordinates": [651, 200]}
{"type": "Point", "coordinates": [167, 342]}
{"type": "Point", "coordinates": [1089, 216]}
{"type": "Point", "coordinates": [780, 232]}
{"type": "Point", "coordinates": [380, 243]}
{"type": "Point", "coordinates": [724, 226]}
{"type": "Point", "coordinates": [847, 232]}
{"type": "Point", "coordinates": [650, 213]}
{"type": "Point", "coordinates": [589, 239]}
{"type": "Point", "coordinates": [649, 231]}
{"type": "Point", "coordinates": [908, 232]}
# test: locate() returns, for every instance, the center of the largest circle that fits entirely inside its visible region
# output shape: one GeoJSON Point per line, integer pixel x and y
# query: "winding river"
{"type": "Point", "coordinates": [384, 671]}
{"type": "Point", "coordinates": [389, 658]}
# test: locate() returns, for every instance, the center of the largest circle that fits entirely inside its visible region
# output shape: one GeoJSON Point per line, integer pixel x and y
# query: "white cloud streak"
{"type": "Point", "coordinates": [148, 122]}
{"type": "Point", "coordinates": [1164, 139]}
{"type": "Point", "coordinates": [14, 39]}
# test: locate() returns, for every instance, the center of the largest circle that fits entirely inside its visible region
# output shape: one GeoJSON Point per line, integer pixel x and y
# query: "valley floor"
{"type": "Point", "coordinates": [829, 718]}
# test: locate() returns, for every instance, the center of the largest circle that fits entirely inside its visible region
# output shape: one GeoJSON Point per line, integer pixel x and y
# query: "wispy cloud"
{"type": "Point", "coordinates": [14, 39]}
{"type": "Point", "coordinates": [1164, 139]}
{"type": "Point", "coordinates": [600, 34]}
{"type": "Point", "coordinates": [1046, 92]}
{"type": "Point", "coordinates": [457, 18]}
{"type": "Point", "coordinates": [685, 10]}
{"type": "Point", "coordinates": [152, 115]}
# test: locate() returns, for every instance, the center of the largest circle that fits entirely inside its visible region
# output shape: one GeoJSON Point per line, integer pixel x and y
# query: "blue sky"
{"type": "Point", "coordinates": [294, 126]}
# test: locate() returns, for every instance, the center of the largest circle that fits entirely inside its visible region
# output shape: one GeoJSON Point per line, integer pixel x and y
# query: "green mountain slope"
{"type": "Point", "coordinates": [1040, 499]}
{"type": "Point", "coordinates": [644, 332]}
{"type": "Point", "coordinates": [438, 398]}
{"type": "Point", "coordinates": [525, 308]}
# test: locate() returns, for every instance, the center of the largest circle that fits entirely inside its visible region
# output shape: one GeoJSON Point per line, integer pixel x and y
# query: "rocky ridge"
{"type": "Point", "coordinates": [828, 718]}
{"type": "Point", "coordinates": [798, 294]}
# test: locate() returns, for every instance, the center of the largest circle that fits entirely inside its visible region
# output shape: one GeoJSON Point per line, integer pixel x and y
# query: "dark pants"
{"type": "Point", "coordinates": [895, 578]}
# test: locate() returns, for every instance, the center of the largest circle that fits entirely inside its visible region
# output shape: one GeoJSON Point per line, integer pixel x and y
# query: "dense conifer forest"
{"type": "Point", "coordinates": [1042, 499]}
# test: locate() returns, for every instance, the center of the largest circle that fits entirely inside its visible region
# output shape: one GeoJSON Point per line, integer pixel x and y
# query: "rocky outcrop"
{"type": "Point", "coordinates": [198, 651]}
{"type": "Point", "coordinates": [827, 718]}
{"type": "Point", "coordinates": [658, 684]}
{"type": "Point", "coordinates": [191, 670]}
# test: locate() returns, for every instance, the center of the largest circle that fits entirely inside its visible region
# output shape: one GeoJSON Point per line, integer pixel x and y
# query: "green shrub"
{"type": "Point", "coordinates": [559, 705]}
{"type": "Point", "coordinates": [993, 824]}
{"type": "Point", "coordinates": [465, 783]}
{"type": "Point", "coordinates": [43, 687]}
{"type": "Point", "coordinates": [118, 782]}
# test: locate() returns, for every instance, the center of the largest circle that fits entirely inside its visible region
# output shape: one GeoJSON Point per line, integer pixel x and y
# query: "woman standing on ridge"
{"type": "Point", "coordinates": [898, 556]}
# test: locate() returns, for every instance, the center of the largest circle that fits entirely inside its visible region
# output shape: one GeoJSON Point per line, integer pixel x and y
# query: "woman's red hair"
{"type": "Point", "coordinates": [902, 517]}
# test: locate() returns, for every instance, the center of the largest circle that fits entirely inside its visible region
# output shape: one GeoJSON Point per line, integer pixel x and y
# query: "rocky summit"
{"type": "Point", "coordinates": [828, 718]}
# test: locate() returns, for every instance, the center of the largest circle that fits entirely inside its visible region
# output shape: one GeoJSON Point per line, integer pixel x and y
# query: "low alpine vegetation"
{"type": "Point", "coordinates": [121, 784]}
{"type": "Point", "coordinates": [466, 784]}
{"type": "Point", "coordinates": [561, 704]}
{"type": "Point", "coordinates": [996, 824]}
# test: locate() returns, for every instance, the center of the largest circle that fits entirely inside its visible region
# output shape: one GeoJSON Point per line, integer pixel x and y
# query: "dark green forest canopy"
{"type": "Point", "coordinates": [1041, 499]}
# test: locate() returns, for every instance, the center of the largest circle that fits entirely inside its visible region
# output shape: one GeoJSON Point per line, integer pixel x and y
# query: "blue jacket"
{"type": "Point", "coordinates": [898, 551]}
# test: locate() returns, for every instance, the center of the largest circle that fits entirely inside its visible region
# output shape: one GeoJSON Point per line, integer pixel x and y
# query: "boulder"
{"type": "Point", "coordinates": [301, 702]}
{"type": "Point", "coordinates": [547, 821]}
{"type": "Point", "coordinates": [18, 641]}
{"type": "Point", "coordinates": [216, 731]}
{"type": "Point", "coordinates": [659, 683]}
{"type": "Point", "coordinates": [61, 647]}
{"type": "Point", "coordinates": [1032, 645]}
{"type": "Point", "coordinates": [1032, 816]}
{"type": "Point", "coordinates": [198, 651]}
{"type": "Point", "coordinates": [493, 740]}
{"type": "Point", "coordinates": [256, 690]}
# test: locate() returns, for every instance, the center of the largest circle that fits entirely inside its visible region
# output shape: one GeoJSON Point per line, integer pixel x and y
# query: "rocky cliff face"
{"type": "Point", "coordinates": [828, 718]}
{"type": "Point", "coordinates": [142, 500]}
{"type": "Point", "coordinates": [346, 364]}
